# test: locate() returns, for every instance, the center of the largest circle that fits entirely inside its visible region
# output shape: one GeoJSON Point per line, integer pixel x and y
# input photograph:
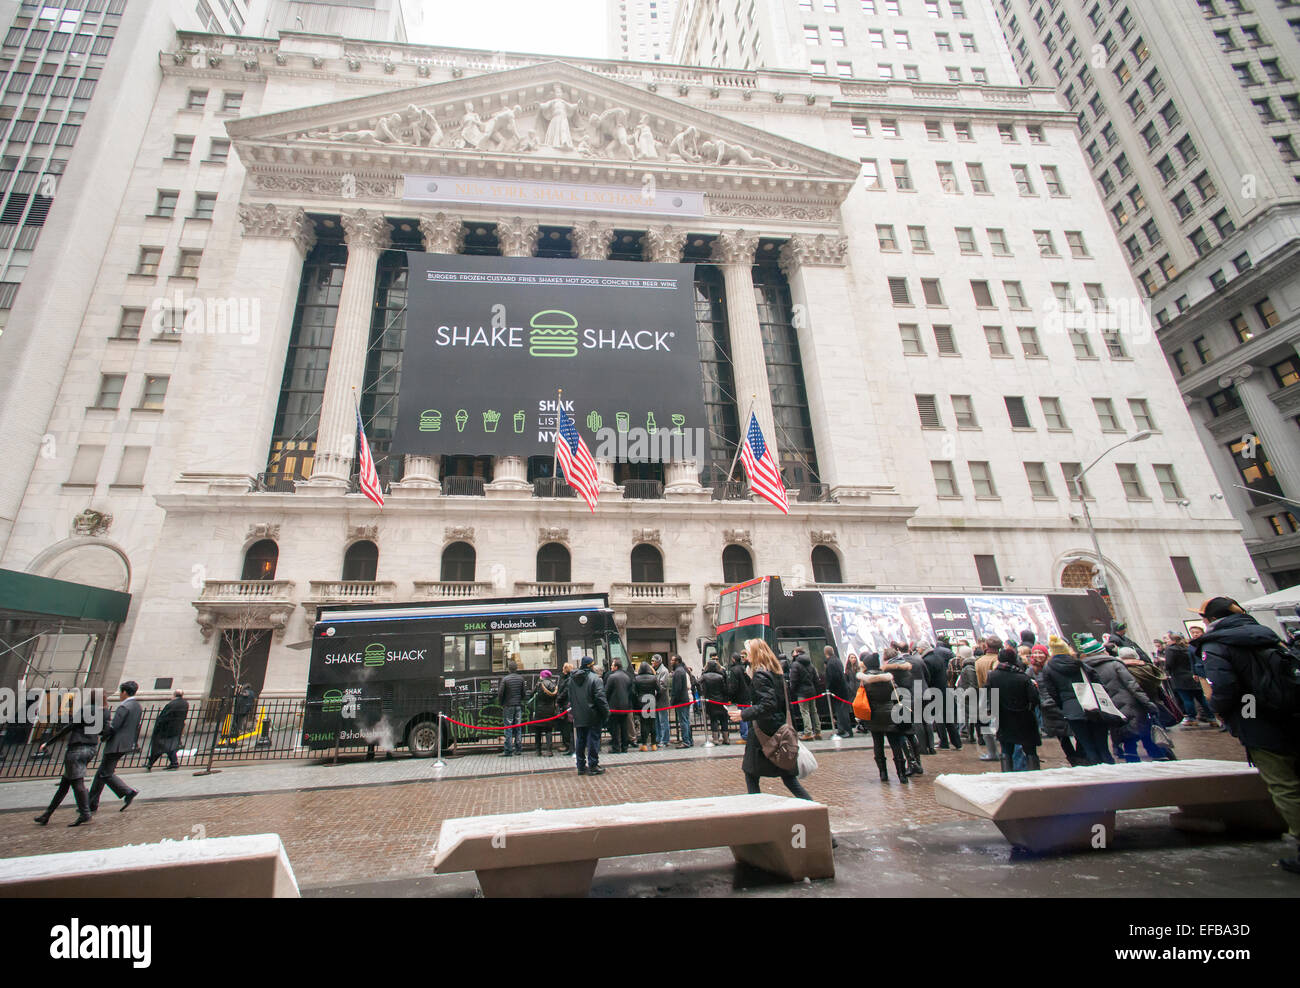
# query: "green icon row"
{"type": "Point", "coordinates": [623, 422]}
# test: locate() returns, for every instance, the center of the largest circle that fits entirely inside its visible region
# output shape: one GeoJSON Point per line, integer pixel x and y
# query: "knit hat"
{"type": "Point", "coordinates": [1027, 637]}
{"type": "Point", "coordinates": [1057, 646]}
{"type": "Point", "coordinates": [1087, 645]}
{"type": "Point", "coordinates": [1128, 652]}
{"type": "Point", "coordinates": [1040, 649]}
{"type": "Point", "coordinates": [546, 674]}
{"type": "Point", "coordinates": [587, 662]}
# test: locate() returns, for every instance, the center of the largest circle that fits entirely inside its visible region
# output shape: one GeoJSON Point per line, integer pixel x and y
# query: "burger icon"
{"type": "Point", "coordinates": [431, 420]}
{"type": "Point", "coordinates": [374, 655]}
{"type": "Point", "coordinates": [331, 702]}
{"type": "Point", "coordinates": [553, 333]}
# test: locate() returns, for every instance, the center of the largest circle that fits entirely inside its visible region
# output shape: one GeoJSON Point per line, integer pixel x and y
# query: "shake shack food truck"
{"type": "Point", "coordinates": [381, 674]}
{"type": "Point", "coordinates": [860, 622]}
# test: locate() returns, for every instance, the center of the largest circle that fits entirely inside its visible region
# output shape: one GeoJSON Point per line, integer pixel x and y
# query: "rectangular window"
{"type": "Point", "coordinates": [899, 292]}
{"type": "Point", "coordinates": [945, 480]}
{"type": "Point", "coordinates": [975, 172]}
{"type": "Point", "coordinates": [947, 177]}
{"type": "Point", "coordinates": [933, 291]}
{"type": "Point", "coordinates": [910, 333]}
{"type": "Point", "coordinates": [1053, 415]}
{"type": "Point", "coordinates": [1078, 248]}
{"type": "Point", "coordinates": [902, 176]}
{"type": "Point", "coordinates": [128, 326]}
{"type": "Point", "coordinates": [1039, 484]}
{"type": "Point", "coordinates": [1029, 341]}
{"type": "Point", "coordinates": [1078, 489]}
{"type": "Point", "coordinates": [182, 147]}
{"type": "Point", "coordinates": [997, 342]}
{"type": "Point", "coordinates": [1105, 410]}
{"type": "Point", "coordinates": [148, 261]}
{"type": "Point", "coordinates": [871, 173]}
{"type": "Point", "coordinates": [998, 243]}
{"type": "Point", "coordinates": [987, 569]}
{"type": "Point", "coordinates": [1187, 581]}
{"type": "Point", "coordinates": [885, 237]}
{"type": "Point", "coordinates": [187, 264]}
{"type": "Point", "coordinates": [1241, 328]}
{"type": "Point", "coordinates": [1023, 182]}
{"type": "Point", "coordinates": [928, 410]}
{"type": "Point", "coordinates": [165, 205]}
{"type": "Point", "coordinates": [983, 297]}
{"type": "Point", "coordinates": [1052, 179]}
{"type": "Point", "coordinates": [1266, 312]}
{"type": "Point", "coordinates": [110, 391]}
{"type": "Point", "coordinates": [1168, 481]}
{"type": "Point", "coordinates": [981, 478]}
{"type": "Point", "coordinates": [155, 391]}
{"type": "Point", "coordinates": [837, 37]}
{"type": "Point", "coordinates": [1017, 412]}
{"type": "Point", "coordinates": [218, 149]}
{"type": "Point", "coordinates": [231, 102]}
{"type": "Point", "coordinates": [1015, 295]}
{"type": "Point", "coordinates": [1141, 414]}
{"type": "Point", "coordinates": [197, 99]}
{"type": "Point", "coordinates": [944, 341]}
{"type": "Point", "coordinates": [1046, 246]}
{"type": "Point", "coordinates": [1132, 481]}
{"type": "Point", "coordinates": [920, 240]}
{"type": "Point", "coordinates": [963, 410]}
{"type": "Point", "coordinates": [130, 472]}
{"type": "Point", "coordinates": [966, 240]}
{"type": "Point", "coordinates": [85, 465]}
{"type": "Point", "coordinates": [205, 203]}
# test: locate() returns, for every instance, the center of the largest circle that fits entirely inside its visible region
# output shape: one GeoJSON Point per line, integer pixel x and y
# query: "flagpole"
{"type": "Point", "coordinates": [744, 430]}
{"type": "Point", "coordinates": [356, 405]}
{"type": "Point", "coordinates": [559, 394]}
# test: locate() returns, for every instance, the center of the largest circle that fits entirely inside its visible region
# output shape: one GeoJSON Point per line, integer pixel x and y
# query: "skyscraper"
{"type": "Point", "coordinates": [639, 30]}
{"type": "Point", "coordinates": [1189, 114]}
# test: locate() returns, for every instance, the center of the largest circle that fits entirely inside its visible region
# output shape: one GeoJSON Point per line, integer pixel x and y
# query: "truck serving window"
{"type": "Point", "coordinates": [531, 649]}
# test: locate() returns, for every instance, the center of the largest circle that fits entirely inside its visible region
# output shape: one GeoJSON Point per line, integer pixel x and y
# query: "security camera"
{"type": "Point", "coordinates": [1216, 497]}
{"type": "Point", "coordinates": [1184, 503]}
{"type": "Point", "coordinates": [1252, 580]}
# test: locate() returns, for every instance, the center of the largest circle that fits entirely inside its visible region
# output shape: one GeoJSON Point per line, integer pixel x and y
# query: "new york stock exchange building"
{"type": "Point", "coordinates": [439, 241]}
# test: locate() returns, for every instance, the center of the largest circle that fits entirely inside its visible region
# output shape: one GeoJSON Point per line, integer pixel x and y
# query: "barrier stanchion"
{"type": "Point", "coordinates": [439, 763]}
{"type": "Point", "coordinates": [835, 721]}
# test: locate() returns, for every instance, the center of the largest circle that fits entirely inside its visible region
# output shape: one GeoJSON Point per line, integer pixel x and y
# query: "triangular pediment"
{"type": "Point", "coordinates": [549, 118]}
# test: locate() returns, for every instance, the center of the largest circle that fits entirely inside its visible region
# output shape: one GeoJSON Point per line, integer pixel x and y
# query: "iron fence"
{"type": "Point", "coordinates": [272, 731]}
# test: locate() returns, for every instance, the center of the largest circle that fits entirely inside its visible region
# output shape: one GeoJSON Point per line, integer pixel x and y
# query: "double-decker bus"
{"type": "Point", "coordinates": [859, 621]}
{"type": "Point", "coordinates": [381, 674]}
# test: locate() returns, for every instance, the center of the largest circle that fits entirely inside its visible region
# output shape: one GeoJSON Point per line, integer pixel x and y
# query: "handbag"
{"type": "Point", "coordinates": [806, 763]}
{"type": "Point", "coordinates": [862, 705]}
{"type": "Point", "coordinates": [1096, 702]}
{"type": "Point", "coordinates": [1162, 738]}
{"type": "Point", "coordinates": [781, 747]}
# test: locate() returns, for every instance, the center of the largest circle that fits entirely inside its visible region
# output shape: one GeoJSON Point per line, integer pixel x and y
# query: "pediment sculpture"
{"type": "Point", "coordinates": [555, 126]}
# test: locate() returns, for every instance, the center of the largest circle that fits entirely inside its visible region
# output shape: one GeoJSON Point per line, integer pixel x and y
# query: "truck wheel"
{"type": "Point", "coordinates": [423, 739]}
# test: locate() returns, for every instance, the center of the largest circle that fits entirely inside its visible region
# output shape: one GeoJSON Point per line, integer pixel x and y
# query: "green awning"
{"type": "Point", "coordinates": [39, 596]}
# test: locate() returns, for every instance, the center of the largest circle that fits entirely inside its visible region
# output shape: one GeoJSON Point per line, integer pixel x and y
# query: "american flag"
{"type": "Point", "coordinates": [369, 475]}
{"type": "Point", "coordinates": [764, 478]}
{"type": "Point", "coordinates": [575, 459]}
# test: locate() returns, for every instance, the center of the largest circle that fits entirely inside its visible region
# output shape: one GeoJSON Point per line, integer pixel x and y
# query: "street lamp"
{"type": "Point", "coordinates": [1087, 516]}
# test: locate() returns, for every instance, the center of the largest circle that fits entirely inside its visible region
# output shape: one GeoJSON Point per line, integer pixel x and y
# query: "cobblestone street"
{"type": "Point", "coordinates": [364, 829]}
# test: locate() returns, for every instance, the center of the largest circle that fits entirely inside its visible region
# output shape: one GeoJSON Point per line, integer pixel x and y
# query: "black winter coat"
{"type": "Point", "coordinates": [740, 687]}
{"type": "Point", "coordinates": [681, 686]}
{"type": "Point", "coordinates": [1227, 646]}
{"type": "Point", "coordinates": [767, 713]}
{"type": "Point", "coordinates": [904, 676]}
{"type": "Point", "coordinates": [1060, 673]}
{"type": "Point", "coordinates": [835, 681]}
{"type": "Point", "coordinates": [587, 699]}
{"type": "Point", "coordinates": [618, 690]}
{"type": "Point", "coordinates": [880, 694]}
{"type": "Point", "coordinates": [171, 719]}
{"type": "Point", "coordinates": [1054, 725]}
{"type": "Point", "coordinates": [1017, 698]}
{"type": "Point", "coordinates": [644, 689]}
{"type": "Point", "coordinates": [936, 668]}
{"type": "Point", "coordinates": [803, 678]}
{"type": "Point", "coordinates": [1178, 664]}
{"type": "Point", "coordinates": [713, 684]}
{"type": "Point", "coordinates": [547, 700]}
{"type": "Point", "coordinates": [1127, 694]}
{"type": "Point", "coordinates": [512, 690]}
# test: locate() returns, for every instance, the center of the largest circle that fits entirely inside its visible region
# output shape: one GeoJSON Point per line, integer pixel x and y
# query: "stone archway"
{"type": "Point", "coordinates": [91, 561]}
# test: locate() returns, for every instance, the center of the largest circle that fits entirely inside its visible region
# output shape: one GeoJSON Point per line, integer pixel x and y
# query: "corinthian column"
{"type": "Point", "coordinates": [517, 237]}
{"type": "Point", "coordinates": [592, 240]}
{"type": "Point", "coordinates": [443, 233]}
{"type": "Point", "coordinates": [367, 234]}
{"type": "Point", "coordinates": [733, 252]}
{"type": "Point", "coordinates": [664, 245]}
{"type": "Point", "coordinates": [1270, 427]}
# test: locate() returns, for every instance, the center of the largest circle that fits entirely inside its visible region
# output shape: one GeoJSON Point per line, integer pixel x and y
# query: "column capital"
{"type": "Point", "coordinates": [735, 247]}
{"type": "Point", "coordinates": [442, 233]}
{"type": "Point", "coordinates": [1236, 376]}
{"type": "Point", "coordinates": [518, 237]}
{"type": "Point", "coordinates": [664, 245]}
{"type": "Point", "coordinates": [367, 229]}
{"type": "Point", "coordinates": [592, 240]}
{"type": "Point", "coordinates": [820, 250]}
{"type": "Point", "coordinates": [266, 219]}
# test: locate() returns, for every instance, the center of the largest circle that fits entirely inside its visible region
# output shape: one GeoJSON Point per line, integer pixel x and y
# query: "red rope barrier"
{"type": "Point", "coordinates": [484, 727]}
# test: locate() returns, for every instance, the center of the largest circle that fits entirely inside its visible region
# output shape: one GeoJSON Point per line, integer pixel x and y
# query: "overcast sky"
{"type": "Point", "coordinates": [549, 27]}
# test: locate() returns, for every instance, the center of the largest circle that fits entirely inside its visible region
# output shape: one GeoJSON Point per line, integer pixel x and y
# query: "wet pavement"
{"type": "Point", "coordinates": [370, 828]}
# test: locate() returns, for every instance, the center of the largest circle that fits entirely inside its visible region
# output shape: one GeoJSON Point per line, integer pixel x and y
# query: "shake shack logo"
{"type": "Point", "coordinates": [553, 333]}
{"type": "Point", "coordinates": [375, 656]}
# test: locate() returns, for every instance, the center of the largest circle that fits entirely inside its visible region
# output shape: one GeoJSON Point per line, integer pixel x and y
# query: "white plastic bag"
{"type": "Point", "coordinates": [806, 764]}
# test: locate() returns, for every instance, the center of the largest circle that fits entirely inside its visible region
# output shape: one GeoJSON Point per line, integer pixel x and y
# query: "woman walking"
{"type": "Point", "coordinates": [644, 689]}
{"type": "Point", "coordinates": [767, 711]}
{"type": "Point", "coordinates": [1178, 665]}
{"type": "Point", "coordinates": [1062, 673]}
{"type": "Point", "coordinates": [1128, 695]}
{"type": "Point", "coordinates": [880, 689]}
{"type": "Point", "coordinates": [1051, 720]}
{"type": "Point", "coordinates": [82, 741]}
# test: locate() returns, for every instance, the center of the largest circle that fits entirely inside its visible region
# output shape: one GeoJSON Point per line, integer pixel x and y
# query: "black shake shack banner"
{"type": "Point", "coordinates": [490, 339]}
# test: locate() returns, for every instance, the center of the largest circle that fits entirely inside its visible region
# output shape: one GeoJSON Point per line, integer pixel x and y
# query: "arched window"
{"type": "Point", "coordinates": [826, 565]}
{"type": "Point", "coordinates": [737, 565]}
{"type": "Point", "coordinates": [647, 565]}
{"type": "Point", "coordinates": [260, 560]}
{"type": "Point", "coordinates": [458, 561]}
{"type": "Point", "coordinates": [361, 561]}
{"type": "Point", "coordinates": [553, 564]}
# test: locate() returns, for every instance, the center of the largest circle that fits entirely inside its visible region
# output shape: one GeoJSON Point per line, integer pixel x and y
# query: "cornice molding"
{"type": "Point", "coordinates": [366, 229]}
{"type": "Point", "coordinates": [821, 250]}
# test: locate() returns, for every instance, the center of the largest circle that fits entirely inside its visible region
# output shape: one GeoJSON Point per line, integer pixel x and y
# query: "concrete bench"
{"type": "Point", "coordinates": [253, 867]}
{"type": "Point", "coordinates": [555, 852]}
{"type": "Point", "coordinates": [1060, 809]}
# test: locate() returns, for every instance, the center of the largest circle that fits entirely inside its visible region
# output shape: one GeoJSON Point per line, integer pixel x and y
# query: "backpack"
{"type": "Point", "coordinates": [1275, 680]}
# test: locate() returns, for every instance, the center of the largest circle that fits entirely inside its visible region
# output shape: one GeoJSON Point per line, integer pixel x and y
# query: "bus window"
{"type": "Point", "coordinates": [616, 649]}
{"type": "Point", "coordinates": [483, 657]}
{"type": "Point", "coordinates": [531, 649]}
{"type": "Point", "coordinates": [727, 607]}
{"type": "Point", "coordinates": [753, 600]}
{"type": "Point", "coordinates": [453, 654]}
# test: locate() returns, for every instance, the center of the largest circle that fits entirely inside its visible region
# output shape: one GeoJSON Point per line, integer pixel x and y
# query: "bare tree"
{"type": "Point", "coordinates": [238, 641]}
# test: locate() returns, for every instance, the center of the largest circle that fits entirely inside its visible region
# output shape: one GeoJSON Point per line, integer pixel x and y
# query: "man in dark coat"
{"type": "Point", "coordinates": [1017, 697]}
{"type": "Point", "coordinates": [738, 687]}
{"type": "Point", "coordinates": [1234, 648]}
{"type": "Point", "coordinates": [663, 699]}
{"type": "Point", "coordinates": [618, 691]}
{"type": "Point", "coordinates": [510, 694]}
{"type": "Point", "coordinates": [804, 685]}
{"type": "Point", "coordinates": [1119, 637]}
{"type": "Point", "coordinates": [921, 677]}
{"type": "Point", "coordinates": [119, 740]}
{"type": "Point", "coordinates": [681, 700]}
{"type": "Point", "coordinates": [590, 710]}
{"type": "Point", "coordinates": [562, 703]}
{"type": "Point", "coordinates": [245, 700]}
{"type": "Point", "coordinates": [1178, 665]}
{"type": "Point", "coordinates": [937, 662]}
{"type": "Point", "coordinates": [713, 687]}
{"type": "Point", "coordinates": [167, 731]}
{"type": "Point", "coordinates": [841, 700]}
